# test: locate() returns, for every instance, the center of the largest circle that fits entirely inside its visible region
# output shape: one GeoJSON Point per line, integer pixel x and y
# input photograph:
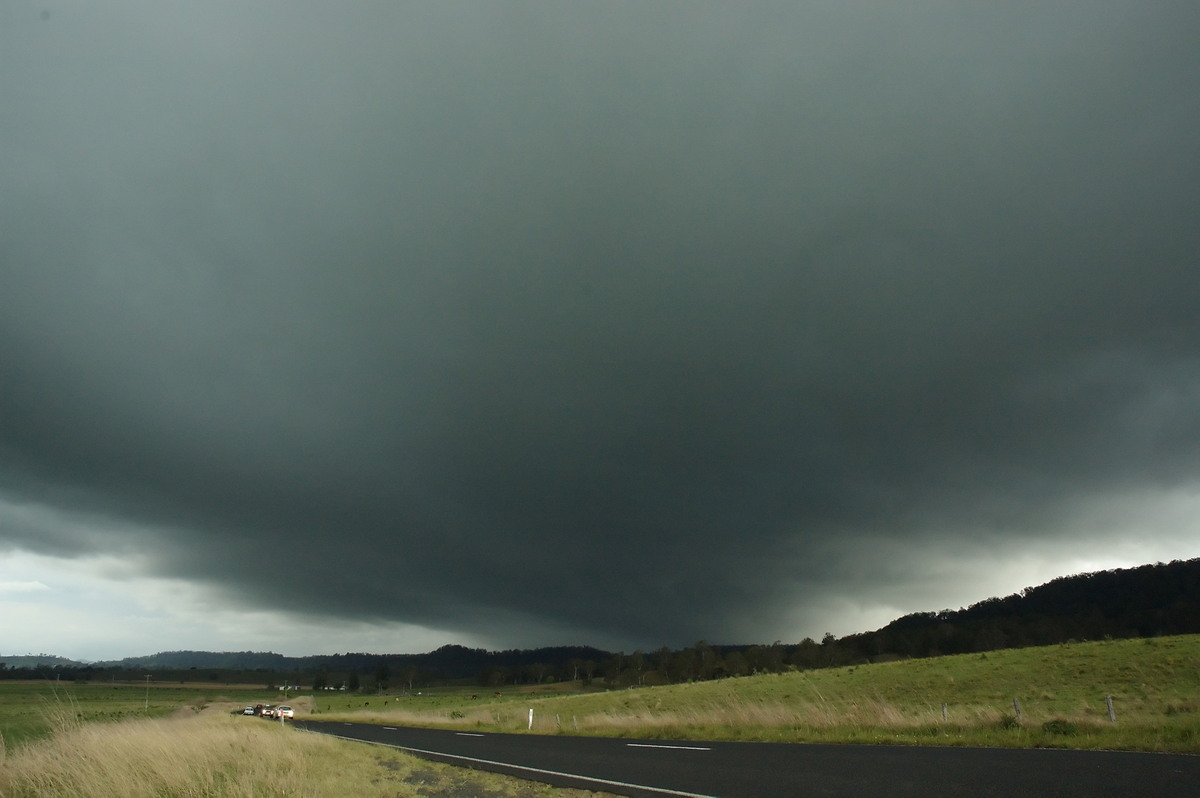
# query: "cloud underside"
{"type": "Point", "coordinates": [622, 324]}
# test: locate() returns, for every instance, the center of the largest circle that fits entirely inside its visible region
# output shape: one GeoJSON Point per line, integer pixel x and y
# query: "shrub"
{"type": "Point", "coordinates": [1060, 726]}
{"type": "Point", "coordinates": [1009, 722]}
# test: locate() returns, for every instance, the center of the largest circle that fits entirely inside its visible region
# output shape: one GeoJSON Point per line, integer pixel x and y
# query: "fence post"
{"type": "Point", "coordinates": [945, 714]}
{"type": "Point", "coordinates": [1112, 713]}
{"type": "Point", "coordinates": [1017, 708]}
{"type": "Point", "coordinates": [531, 717]}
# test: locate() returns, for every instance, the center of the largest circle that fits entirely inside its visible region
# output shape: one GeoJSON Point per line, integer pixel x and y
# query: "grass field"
{"type": "Point", "coordinates": [1060, 693]}
{"type": "Point", "coordinates": [100, 742]}
{"type": "Point", "coordinates": [27, 709]}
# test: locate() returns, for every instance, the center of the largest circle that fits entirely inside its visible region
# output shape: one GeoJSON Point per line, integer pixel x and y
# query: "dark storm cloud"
{"type": "Point", "coordinates": [633, 323]}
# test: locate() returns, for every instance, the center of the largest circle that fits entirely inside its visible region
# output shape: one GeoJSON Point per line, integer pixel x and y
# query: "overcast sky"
{"type": "Point", "coordinates": [374, 326]}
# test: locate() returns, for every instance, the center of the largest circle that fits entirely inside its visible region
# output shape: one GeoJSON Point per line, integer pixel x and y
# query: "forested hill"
{"type": "Point", "coordinates": [1150, 600]}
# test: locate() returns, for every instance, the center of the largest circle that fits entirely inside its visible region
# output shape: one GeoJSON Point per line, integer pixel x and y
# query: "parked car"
{"type": "Point", "coordinates": [284, 711]}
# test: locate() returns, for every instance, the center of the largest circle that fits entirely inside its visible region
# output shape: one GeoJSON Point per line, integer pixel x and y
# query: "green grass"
{"type": "Point", "coordinates": [30, 710]}
{"type": "Point", "coordinates": [1061, 690]}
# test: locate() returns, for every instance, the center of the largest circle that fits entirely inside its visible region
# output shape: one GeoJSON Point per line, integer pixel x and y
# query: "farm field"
{"type": "Point", "coordinates": [1060, 694]}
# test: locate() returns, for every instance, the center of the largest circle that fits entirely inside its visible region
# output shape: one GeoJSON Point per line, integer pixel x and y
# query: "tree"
{"type": "Point", "coordinates": [807, 654]}
{"type": "Point", "coordinates": [684, 665]}
{"type": "Point", "coordinates": [382, 672]}
{"type": "Point", "coordinates": [637, 661]}
{"type": "Point", "coordinates": [706, 661]}
{"type": "Point", "coordinates": [613, 668]}
{"type": "Point", "coordinates": [538, 671]}
{"type": "Point", "coordinates": [736, 664]}
{"type": "Point", "coordinates": [830, 650]}
{"type": "Point", "coordinates": [663, 659]}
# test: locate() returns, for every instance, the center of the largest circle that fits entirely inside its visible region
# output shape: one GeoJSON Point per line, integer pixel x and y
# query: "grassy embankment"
{"type": "Point", "coordinates": [1060, 690]}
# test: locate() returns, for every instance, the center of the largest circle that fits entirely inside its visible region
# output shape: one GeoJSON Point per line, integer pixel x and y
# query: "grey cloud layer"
{"type": "Point", "coordinates": [633, 322]}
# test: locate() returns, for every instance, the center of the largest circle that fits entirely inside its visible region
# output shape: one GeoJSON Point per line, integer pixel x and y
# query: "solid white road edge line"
{"type": "Point", "coordinates": [662, 790]}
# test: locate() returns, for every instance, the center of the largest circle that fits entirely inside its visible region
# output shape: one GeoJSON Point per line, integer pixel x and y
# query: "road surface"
{"type": "Point", "coordinates": [656, 768]}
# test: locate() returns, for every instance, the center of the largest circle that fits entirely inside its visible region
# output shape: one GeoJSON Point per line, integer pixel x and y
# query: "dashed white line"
{"type": "Point", "coordinates": [467, 734]}
{"type": "Point", "coordinates": [675, 747]}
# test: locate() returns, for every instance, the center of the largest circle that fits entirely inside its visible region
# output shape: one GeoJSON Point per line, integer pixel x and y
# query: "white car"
{"type": "Point", "coordinates": [284, 712]}
{"type": "Point", "coordinates": [268, 711]}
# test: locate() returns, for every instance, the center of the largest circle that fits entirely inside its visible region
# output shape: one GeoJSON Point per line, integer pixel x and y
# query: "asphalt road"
{"type": "Point", "coordinates": [772, 770]}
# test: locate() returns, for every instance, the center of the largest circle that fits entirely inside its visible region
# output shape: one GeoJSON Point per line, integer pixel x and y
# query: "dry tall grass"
{"type": "Point", "coordinates": [201, 756]}
{"type": "Point", "coordinates": [211, 756]}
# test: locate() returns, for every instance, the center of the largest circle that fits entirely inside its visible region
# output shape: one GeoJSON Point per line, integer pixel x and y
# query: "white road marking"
{"type": "Point", "coordinates": [593, 779]}
{"type": "Point", "coordinates": [467, 734]}
{"type": "Point", "coordinates": [676, 747]}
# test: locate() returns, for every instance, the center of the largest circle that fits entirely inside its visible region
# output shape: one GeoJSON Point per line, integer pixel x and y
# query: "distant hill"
{"type": "Point", "coordinates": [227, 660]}
{"type": "Point", "coordinates": [1147, 601]}
{"type": "Point", "coordinates": [447, 662]}
{"type": "Point", "coordinates": [35, 660]}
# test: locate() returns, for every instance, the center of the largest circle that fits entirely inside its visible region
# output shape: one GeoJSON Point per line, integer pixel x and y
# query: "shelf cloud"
{"type": "Point", "coordinates": [623, 324]}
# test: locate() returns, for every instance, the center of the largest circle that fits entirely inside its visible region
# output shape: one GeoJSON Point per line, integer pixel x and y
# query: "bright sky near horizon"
{"type": "Point", "coordinates": [378, 326]}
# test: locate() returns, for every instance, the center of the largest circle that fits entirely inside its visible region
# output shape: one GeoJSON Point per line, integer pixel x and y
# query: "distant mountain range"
{"type": "Point", "coordinates": [1150, 600]}
{"type": "Point", "coordinates": [449, 662]}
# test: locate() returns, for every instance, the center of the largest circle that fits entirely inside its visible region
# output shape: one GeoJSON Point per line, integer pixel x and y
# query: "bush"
{"type": "Point", "coordinates": [1060, 726]}
{"type": "Point", "coordinates": [1009, 722]}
